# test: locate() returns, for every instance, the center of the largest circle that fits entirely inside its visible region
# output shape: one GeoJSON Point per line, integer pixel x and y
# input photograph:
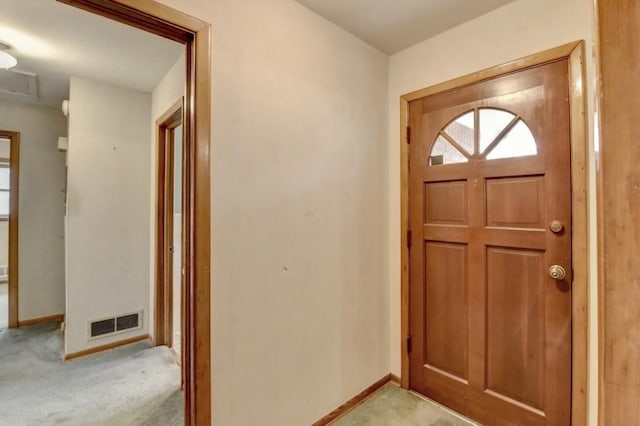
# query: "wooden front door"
{"type": "Point", "coordinates": [489, 215]}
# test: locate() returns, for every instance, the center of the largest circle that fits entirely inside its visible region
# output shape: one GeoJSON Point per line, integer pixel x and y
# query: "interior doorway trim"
{"type": "Point", "coordinates": [14, 170]}
{"type": "Point", "coordinates": [575, 53]}
{"type": "Point", "coordinates": [195, 34]}
{"type": "Point", "coordinates": [168, 122]}
{"type": "Point", "coordinates": [617, 178]}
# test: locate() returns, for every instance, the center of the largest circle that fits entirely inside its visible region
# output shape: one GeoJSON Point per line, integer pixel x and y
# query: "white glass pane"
{"type": "Point", "coordinates": [492, 122]}
{"type": "Point", "coordinates": [519, 142]}
{"type": "Point", "coordinates": [444, 153]}
{"type": "Point", "coordinates": [4, 203]}
{"type": "Point", "coordinates": [461, 131]}
{"type": "Point", "coordinates": [4, 178]}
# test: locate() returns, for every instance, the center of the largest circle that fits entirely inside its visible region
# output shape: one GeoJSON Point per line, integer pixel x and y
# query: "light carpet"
{"type": "Point", "coordinates": [132, 385]}
{"type": "Point", "coordinates": [393, 406]}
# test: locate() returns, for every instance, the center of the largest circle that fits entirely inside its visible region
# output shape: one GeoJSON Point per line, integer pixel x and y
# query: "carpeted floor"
{"type": "Point", "coordinates": [393, 406]}
{"type": "Point", "coordinates": [133, 385]}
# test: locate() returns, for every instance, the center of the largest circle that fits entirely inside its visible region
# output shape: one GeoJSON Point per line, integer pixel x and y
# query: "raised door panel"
{"type": "Point", "coordinates": [516, 326]}
{"type": "Point", "coordinates": [446, 203]}
{"type": "Point", "coordinates": [516, 202]}
{"type": "Point", "coordinates": [446, 310]}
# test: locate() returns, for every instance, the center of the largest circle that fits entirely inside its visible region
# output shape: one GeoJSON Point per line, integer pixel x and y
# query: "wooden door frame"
{"type": "Point", "coordinates": [14, 167]}
{"type": "Point", "coordinates": [617, 179]}
{"type": "Point", "coordinates": [195, 34]}
{"type": "Point", "coordinates": [170, 120]}
{"type": "Point", "coordinates": [575, 54]}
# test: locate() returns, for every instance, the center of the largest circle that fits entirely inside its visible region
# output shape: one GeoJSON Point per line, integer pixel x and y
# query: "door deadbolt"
{"type": "Point", "coordinates": [557, 272]}
{"type": "Point", "coordinates": [556, 226]}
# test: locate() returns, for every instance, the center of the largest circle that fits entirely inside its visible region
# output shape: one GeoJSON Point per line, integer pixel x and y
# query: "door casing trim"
{"type": "Point", "coordinates": [575, 54]}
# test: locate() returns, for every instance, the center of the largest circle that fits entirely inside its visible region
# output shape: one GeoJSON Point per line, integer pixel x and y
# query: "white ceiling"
{"type": "Point", "coordinates": [394, 25]}
{"type": "Point", "coordinates": [56, 41]}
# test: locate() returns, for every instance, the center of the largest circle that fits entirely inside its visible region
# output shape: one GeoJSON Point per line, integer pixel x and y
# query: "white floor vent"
{"type": "Point", "coordinates": [115, 325]}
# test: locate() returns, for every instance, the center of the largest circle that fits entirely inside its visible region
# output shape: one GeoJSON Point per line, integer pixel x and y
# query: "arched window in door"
{"type": "Point", "coordinates": [482, 134]}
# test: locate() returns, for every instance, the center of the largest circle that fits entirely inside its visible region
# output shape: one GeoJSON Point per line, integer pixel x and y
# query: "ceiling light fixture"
{"type": "Point", "coordinates": [6, 60]}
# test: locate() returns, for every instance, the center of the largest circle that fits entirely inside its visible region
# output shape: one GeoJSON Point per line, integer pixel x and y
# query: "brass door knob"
{"type": "Point", "coordinates": [557, 272]}
{"type": "Point", "coordinates": [556, 226]}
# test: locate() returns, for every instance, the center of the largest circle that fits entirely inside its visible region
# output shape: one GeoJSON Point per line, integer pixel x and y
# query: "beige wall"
{"type": "Point", "coordinates": [513, 31]}
{"type": "Point", "coordinates": [108, 210]}
{"type": "Point", "coordinates": [299, 272]}
{"type": "Point", "coordinates": [168, 91]}
{"type": "Point", "coordinates": [41, 221]}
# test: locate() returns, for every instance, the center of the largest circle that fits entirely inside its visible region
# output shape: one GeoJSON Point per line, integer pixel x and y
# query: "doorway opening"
{"type": "Point", "coordinates": [9, 178]}
{"type": "Point", "coordinates": [170, 230]}
{"type": "Point", "coordinates": [195, 34]}
{"type": "Point", "coordinates": [478, 291]}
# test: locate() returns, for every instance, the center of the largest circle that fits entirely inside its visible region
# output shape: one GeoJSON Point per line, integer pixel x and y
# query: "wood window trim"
{"type": "Point", "coordinates": [575, 54]}
{"type": "Point", "coordinates": [14, 166]}
{"type": "Point", "coordinates": [167, 22]}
